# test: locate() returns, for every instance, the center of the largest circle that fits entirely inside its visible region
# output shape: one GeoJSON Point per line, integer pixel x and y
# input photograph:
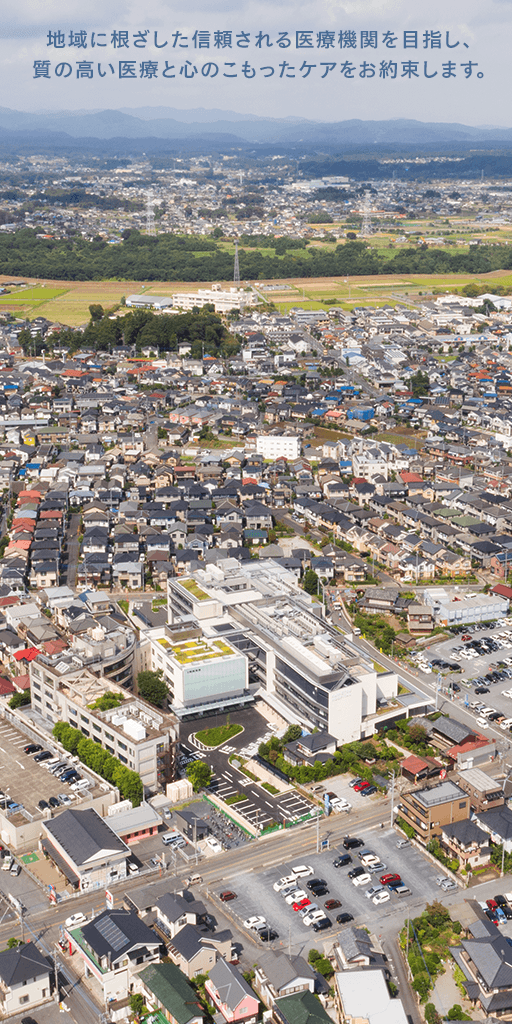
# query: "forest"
{"type": "Point", "coordinates": [202, 330]}
{"type": "Point", "coordinates": [169, 257]}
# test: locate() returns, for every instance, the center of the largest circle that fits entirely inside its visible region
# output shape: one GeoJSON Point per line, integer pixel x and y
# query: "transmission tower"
{"type": "Point", "coordinates": [366, 226]}
{"type": "Point", "coordinates": [236, 269]}
{"type": "Point", "coordinates": [150, 217]}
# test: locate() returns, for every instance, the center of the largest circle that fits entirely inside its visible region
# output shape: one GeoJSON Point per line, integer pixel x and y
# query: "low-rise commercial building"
{"type": "Point", "coordinates": [427, 810]}
{"type": "Point", "coordinates": [85, 849]}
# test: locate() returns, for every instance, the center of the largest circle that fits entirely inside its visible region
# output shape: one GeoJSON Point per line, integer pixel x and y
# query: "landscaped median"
{"type": "Point", "coordinates": [209, 739]}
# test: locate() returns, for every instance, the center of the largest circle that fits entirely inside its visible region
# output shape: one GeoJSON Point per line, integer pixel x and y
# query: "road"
{"type": "Point", "coordinates": [73, 549]}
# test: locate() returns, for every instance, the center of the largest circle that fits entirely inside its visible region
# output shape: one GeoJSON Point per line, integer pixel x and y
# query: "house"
{"type": "Point", "coordinates": [174, 912]}
{"type": "Point", "coordinates": [84, 848]}
{"type": "Point", "coordinates": [353, 949]}
{"type": "Point", "coordinates": [300, 1008]}
{"type": "Point", "coordinates": [485, 959]}
{"type": "Point", "coordinates": [165, 987]}
{"type": "Point", "coordinates": [195, 953]}
{"type": "Point", "coordinates": [112, 947]}
{"type": "Point", "coordinates": [364, 996]}
{"type": "Point", "coordinates": [24, 979]}
{"type": "Point", "coordinates": [467, 842]}
{"type": "Point", "coordinates": [231, 994]}
{"type": "Point", "coordinates": [277, 975]}
{"type": "Point", "coordinates": [484, 792]}
{"type": "Point", "coordinates": [316, 746]}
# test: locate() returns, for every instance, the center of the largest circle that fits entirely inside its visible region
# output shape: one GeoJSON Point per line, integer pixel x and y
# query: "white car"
{"type": "Point", "coordinates": [302, 871]}
{"type": "Point", "coordinates": [254, 922]}
{"type": "Point", "coordinates": [361, 879]}
{"type": "Point", "coordinates": [283, 882]}
{"type": "Point", "coordinates": [315, 915]}
{"type": "Point", "coordinates": [482, 723]}
{"type": "Point", "coordinates": [370, 893]}
{"type": "Point", "coordinates": [296, 897]}
{"type": "Point", "coordinates": [381, 897]}
{"type": "Point", "coordinates": [75, 919]}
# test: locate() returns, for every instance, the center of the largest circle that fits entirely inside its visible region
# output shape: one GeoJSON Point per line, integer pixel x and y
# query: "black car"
{"type": "Point", "coordinates": [456, 687]}
{"type": "Point", "coordinates": [53, 801]}
{"type": "Point", "coordinates": [500, 900]}
{"type": "Point", "coordinates": [342, 861]}
{"type": "Point", "coordinates": [43, 756]}
{"type": "Point", "coordinates": [351, 842]}
{"type": "Point", "coordinates": [369, 790]}
{"type": "Point", "coordinates": [482, 689]}
{"type": "Point", "coordinates": [344, 918]}
{"type": "Point", "coordinates": [314, 882]}
{"type": "Point", "coordinates": [32, 748]}
{"type": "Point", "coordinates": [357, 871]}
{"type": "Point", "coordinates": [267, 934]}
{"type": "Point", "coordinates": [28, 1020]}
{"type": "Point", "coordinates": [322, 924]}
{"type": "Point", "coordinates": [42, 805]}
{"type": "Point", "coordinates": [320, 890]}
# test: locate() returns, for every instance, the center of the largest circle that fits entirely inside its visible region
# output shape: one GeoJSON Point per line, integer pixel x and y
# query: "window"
{"type": "Point", "coordinates": [122, 746]}
{"type": "Point", "coordinates": [109, 736]}
{"type": "Point", "coordinates": [96, 727]}
{"type": "Point", "coordinates": [73, 711]}
{"type": "Point", "coordinates": [36, 686]}
{"type": "Point", "coordinates": [23, 999]}
{"type": "Point", "coordinates": [462, 804]}
{"type": "Point", "coordinates": [123, 758]}
{"type": "Point", "coordinates": [83, 718]}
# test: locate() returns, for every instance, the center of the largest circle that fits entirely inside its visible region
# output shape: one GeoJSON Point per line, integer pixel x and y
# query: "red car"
{"type": "Point", "coordinates": [227, 895]}
{"type": "Point", "coordinates": [360, 786]}
{"type": "Point", "coordinates": [302, 903]}
{"type": "Point", "coordinates": [389, 879]}
{"type": "Point", "coordinates": [467, 636]}
{"type": "Point", "coordinates": [332, 904]}
{"type": "Point", "coordinates": [492, 904]}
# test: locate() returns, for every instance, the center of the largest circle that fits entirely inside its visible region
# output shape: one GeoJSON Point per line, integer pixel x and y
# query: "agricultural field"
{"type": "Point", "coordinates": [68, 302]}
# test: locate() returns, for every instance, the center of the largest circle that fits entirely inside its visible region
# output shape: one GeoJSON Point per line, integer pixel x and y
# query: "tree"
{"type": "Point", "coordinates": [12, 943]}
{"type": "Point", "coordinates": [96, 310]}
{"type": "Point", "coordinates": [293, 732]}
{"type": "Point", "coordinates": [18, 700]}
{"type": "Point", "coordinates": [136, 1003]}
{"type": "Point", "coordinates": [200, 775]}
{"type": "Point", "coordinates": [310, 581]}
{"type": "Point", "coordinates": [152, 687]}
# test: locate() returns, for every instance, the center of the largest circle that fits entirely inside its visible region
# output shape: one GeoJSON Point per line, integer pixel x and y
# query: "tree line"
{"type": "Point", "coordinates": [169, 257]}
{"type": "Point", "coordinates": [100, 761]}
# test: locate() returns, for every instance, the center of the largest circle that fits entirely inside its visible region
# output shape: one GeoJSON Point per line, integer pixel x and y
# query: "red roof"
{"type": "Point", "coordinates": [6, 686]}
{"type": "Point", "coordinates": [502, 591]}
{"type": "Point", "coordinates": [413, 764]}
{"type": "Point", "coordinates": [27, 655]}
{"type": "Point", "coordinates": [51, 514]}
{"type": "Point", "coordinates": [23, 681]}
{"type": "Point", "coordinates": [23, 545]}
{"type": "Point", "coordinates": [8, 602]}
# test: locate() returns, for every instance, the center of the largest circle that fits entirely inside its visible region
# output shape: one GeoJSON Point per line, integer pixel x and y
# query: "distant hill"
{"type": "Point", "coordinates": [168, 123]}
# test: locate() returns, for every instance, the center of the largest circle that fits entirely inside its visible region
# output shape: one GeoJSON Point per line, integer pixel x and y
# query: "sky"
{"type": "Point", "coordinates": [405, 62]}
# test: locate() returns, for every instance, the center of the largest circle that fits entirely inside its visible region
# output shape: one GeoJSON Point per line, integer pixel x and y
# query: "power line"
{"type": "Point", "coordinates": [236, 269]}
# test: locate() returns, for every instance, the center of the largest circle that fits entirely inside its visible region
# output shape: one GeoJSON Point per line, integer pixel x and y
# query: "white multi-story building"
{"type": "Point", "coordinates": [277, 446]}
{"type": "Point", "coordinates": [223, 299]}
{"type": "Point", "coordinates": [200, 670]}
{"type": "Point", "coordinates": [141, 736]}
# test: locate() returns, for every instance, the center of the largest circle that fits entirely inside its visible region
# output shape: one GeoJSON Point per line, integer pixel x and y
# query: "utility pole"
{"type": "Point", "coordinates": [56, 965]}
{"type": "Point", "coordinates": [318, 832]}
{"type": "Point", "coordinates": [392, 797]}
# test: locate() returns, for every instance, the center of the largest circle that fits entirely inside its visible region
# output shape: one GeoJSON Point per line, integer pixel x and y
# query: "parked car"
{"type": "Point", "coordinates": [227, 895]}
{"type": "Point", "coordinates": [322, 924]}
{"type": "Point", "coordinates": [345, 917]}
{"type": "Point", "coordinates": [75, 919]}
{"type": "Point", "coordinates": [254, 922]}
{"type": "Point", "coordinates": [332, 904]}
{"type": "Point", "coordinates": [342, 861]}
{"type": "Point", "coordinates": [268, 934]}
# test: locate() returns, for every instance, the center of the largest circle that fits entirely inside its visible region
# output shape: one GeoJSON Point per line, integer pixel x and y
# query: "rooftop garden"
{"type": "Point", "coordinates": [190, 651]}
{"type": "Point", "coordinates": [107, 701]}
{"type": "Point", "coordinates": [194, 590]}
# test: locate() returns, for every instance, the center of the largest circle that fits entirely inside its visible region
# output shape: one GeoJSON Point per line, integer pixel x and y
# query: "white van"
{"type": "Point", "coordinates": [171, 837]}
{"type": "Point", "coordinates": [302, 871]}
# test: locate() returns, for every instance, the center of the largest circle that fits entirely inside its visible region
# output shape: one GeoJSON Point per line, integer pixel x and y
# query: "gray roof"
{"type": "Point", "coordinates": [355, 942]}
{"type": "Point", "coordinates": [453, 730]}
{"type": "Point", "coordinates": [497, 820]}
{"type": "Point", "coordinates": [173, 906]}
{"type": "Point", "coordinates": [18, 965]}
{"type": "Point", "coordinates": [280, 969]}
{"type": "Point", "coordinates": [492, 958]}
{"type": "Point", "coordinates": [115, 932]}
{"type": "Point", "coordinates": [465, 832]}
{"type": "Point", "coordinates": [230, 984]}
{"type": "Point", "coordinates": [83, 834]}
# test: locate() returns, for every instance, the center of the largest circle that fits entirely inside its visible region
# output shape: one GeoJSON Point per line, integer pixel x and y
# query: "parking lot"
{"type": "Point", "coordinates": [255, 891]}
{"type": "Point", "coordinates": [476, 662]}
{"type": "Point", "coordinates": [24, 780]}
{"type": "Point", "coordinates": [259, 807]}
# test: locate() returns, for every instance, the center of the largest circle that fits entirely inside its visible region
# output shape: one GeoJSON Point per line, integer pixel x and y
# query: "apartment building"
{"type": "Point", "coordinates": [427, 810]}
{"type": "Point", "coordinates": [141, 736]}
{"type": "Point", "coordinates": [278, 445]}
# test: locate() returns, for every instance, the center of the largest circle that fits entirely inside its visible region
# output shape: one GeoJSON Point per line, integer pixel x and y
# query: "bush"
{"type": "Point", "coordinates": [19, 700]}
